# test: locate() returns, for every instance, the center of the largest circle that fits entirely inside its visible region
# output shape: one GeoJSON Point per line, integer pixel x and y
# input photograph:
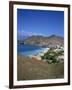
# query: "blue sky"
{"type": "Point", "coordinates": [40, 22]}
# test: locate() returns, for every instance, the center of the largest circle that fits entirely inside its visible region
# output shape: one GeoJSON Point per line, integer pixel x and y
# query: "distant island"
{"type": "Point", "coordinates": [50, 41]}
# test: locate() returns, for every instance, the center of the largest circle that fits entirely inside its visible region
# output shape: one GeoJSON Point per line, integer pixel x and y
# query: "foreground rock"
{"type": "Point", "coordinates": [32, 69]}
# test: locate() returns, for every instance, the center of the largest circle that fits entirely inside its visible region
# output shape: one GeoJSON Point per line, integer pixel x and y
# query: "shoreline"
{"type": "Point", "coordinates": [38, 56]}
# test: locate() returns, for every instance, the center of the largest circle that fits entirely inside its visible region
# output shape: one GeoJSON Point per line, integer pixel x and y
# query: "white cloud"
{"type": "Point", "coordinates": [22, 33]}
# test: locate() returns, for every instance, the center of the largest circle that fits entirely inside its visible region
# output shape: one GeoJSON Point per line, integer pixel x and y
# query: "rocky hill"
{"type": "Point", "coordinates": [50, 41]}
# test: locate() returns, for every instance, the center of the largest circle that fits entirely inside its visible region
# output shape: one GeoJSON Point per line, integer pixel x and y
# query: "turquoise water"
{"type": "Point", "coordinates": [28, 50]}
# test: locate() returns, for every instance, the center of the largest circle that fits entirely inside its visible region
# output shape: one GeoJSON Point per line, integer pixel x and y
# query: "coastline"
{"type": "Point", "coordinates": [29, 51]}
{"type": "Point", "coordinates": [38, 56]}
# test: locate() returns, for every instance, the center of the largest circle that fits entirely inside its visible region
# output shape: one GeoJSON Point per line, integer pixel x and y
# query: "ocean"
{"type": "Point", "coordinates": [29, 50]}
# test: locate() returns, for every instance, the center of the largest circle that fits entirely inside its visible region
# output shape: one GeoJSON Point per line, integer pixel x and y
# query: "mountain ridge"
{"type": "Point", "coordinates": [50, 41]}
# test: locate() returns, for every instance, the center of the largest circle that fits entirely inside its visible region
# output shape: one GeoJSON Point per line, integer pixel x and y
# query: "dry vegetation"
{"type": "Point", "coordinates": [32, 69]}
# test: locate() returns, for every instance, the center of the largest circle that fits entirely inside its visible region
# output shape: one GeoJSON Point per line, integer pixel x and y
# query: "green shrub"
{"type": "Point", "coordinates": [52, 55]}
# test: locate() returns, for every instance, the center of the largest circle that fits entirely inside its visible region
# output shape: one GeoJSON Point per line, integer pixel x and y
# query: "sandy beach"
{"type": "Point", "coordinates": [38, 56]}
{"type": "Point", "coordinates": [33, 69]}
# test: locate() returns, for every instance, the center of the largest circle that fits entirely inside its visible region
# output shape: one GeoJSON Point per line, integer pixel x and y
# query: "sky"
{"type": "Point", "coordinates": [39, 22]}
